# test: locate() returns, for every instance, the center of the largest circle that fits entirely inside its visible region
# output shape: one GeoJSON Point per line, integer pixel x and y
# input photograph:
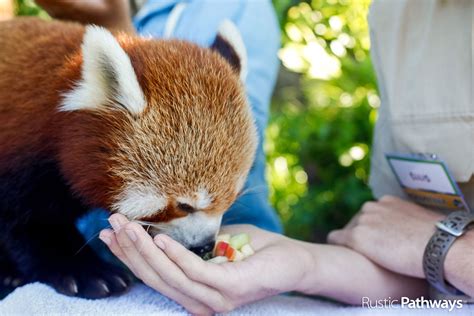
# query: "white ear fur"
{"type": "Point", "coordinates": [229, 32]}
{"type": "Point", "coordinates": [107, 75]}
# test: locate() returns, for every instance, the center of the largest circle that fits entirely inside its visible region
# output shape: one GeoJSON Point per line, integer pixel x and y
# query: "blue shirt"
{"type": "Point", "coordinates": [198, 22]}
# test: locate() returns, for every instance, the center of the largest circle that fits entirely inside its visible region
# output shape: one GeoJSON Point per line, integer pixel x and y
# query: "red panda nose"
{"type": "Point", "coordinates": [204, 249]}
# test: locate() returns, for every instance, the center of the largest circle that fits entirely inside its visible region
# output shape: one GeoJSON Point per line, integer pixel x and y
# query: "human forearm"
{"type": "Point", "coordinates": [112, 14]}
{"type": "Point", "coordinates": [459, 264]}
{"type": "Point", "coordinates": [345, 275]}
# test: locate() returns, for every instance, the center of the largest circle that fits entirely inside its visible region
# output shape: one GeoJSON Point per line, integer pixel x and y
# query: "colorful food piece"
{"type": "Point", "coordinates": [208, 256]}
{"type": "Point", "coordinates": [218, 260]}
{"type": "Point", "coordinates": [232, 248]}
{"type": "Point", "coordinates": [239, 256]}
{"type": "Point", "coordinates": [220, 249]}
{"type": "Point", "coordinates": [247, 250]}
{"type": "Point", "coordinates": [223, 237]}
{"type": "Point", "coordinates": [230, 253]}
{"type": "Point", "coordinates": [239, 240]}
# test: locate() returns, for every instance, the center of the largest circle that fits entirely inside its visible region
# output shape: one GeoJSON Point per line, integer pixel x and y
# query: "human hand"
{"type": "Point", "coordinates": [391, 232]}
{"type": "Point", "coordinates": [278, 265]}
{"type": "Point", "coordinates": [112, 14]}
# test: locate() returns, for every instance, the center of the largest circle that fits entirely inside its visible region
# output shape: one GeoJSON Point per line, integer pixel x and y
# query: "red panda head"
{"type": "Point", "coordinates": [159, 131]}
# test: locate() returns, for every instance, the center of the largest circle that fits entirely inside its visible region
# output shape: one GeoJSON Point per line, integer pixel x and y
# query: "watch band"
{"type": "Point", "coordinates": [448, 230]}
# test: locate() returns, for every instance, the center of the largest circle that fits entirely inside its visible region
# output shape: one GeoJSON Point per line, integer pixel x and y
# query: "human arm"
{"type": "Point", "coordinates": [394, 233]}
{"type": "Point", "coordinates": [459, 264]}
{"type": "Point", "coordinates": [279, 265]}
{"type": "Point", "coordinates": [345, 275]}
{"type": "Point", "coordinates": [112, 14]}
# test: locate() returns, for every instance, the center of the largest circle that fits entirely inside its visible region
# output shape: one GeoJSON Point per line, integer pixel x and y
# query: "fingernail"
{"type": "Point", "coordinates": [159, 242]}
{"type": "Point", "coordinates": [106, 240]}
{"type": "Point", "coordinates": [131, 234]}
{"type": "Point", "coordinates": [115, 224]}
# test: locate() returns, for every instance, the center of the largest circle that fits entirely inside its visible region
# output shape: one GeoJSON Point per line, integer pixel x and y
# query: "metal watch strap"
{"type": "Point", "coordinates": [448, 230]}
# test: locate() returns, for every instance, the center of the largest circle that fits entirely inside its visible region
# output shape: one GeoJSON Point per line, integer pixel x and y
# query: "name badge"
{"type": "Point", "coordinates": [427, 180]}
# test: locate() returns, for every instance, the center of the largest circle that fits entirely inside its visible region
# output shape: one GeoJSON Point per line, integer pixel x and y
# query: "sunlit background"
{"type": "Point", "coordinates": [323, 111]}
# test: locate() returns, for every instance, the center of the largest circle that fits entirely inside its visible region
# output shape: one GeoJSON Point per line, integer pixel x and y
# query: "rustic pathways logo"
{"type": "Point", "coordinates": [406, 302]}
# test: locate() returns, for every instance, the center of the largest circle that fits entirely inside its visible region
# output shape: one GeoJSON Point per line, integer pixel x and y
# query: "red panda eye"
{"type": "Point", "coordinates": [186, 208]}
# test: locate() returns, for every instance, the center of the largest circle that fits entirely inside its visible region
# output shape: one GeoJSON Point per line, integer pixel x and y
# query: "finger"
{"type": "Point", "coordinates": [339, 237]}
{"type": "Point", "coordinates": [171, 274]}
{"type": "Point", "coordinates": [354, 221]}
{"type": "Point", "coordinates": [117, 221]}
{"type": "Point", "coordinates": [146, 273]}
{"type": "Point", "coordinates": [192, 265]}
{"type": "Point", "coordinates": [108, 237]}
{"type": "Point", "coordinates": [126, 245]}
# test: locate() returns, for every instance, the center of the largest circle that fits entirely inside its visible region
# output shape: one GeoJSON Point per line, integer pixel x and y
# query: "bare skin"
{"type": "Point", "coordinates": [112, 14]}
{"type": "Point", "coordinates": [359, 257]}
{"type": "Point", "coordinates": [405, 228]}
{"type": "Point", "coordinates": [279, 265]}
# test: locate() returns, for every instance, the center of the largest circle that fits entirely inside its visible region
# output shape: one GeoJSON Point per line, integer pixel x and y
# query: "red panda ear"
{"type": "Point", "coordinates": [229, 44]}
{"type": "Point", "coordinates": [108, 78]}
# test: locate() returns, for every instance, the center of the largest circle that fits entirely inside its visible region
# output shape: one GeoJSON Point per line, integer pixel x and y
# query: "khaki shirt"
{"type": "Point", "coordinates": [423, 56]}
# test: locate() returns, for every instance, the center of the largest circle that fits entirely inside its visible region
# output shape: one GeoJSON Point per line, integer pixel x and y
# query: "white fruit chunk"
{"type": "Point", "coordinates": [239, 256]}
{"type": "Point", "coordinates": [218, 260]}
{"type": "Point", "coordinates": [247, 250]}
{"type": "Point", "coordinates": [223, 237]}
{"type": "Point", "coordinates": [239, 240]}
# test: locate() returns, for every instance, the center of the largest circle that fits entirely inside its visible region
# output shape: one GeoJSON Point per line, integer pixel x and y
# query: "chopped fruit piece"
{"type": "Point", "coordinates": [247, 250]}
{"type": "Point", "coordinates": [223, 237]}
{"type": "Point", "coordinates": [230, 253]}
{"type": "Point", "coordinates": [239, 256]}
{"type": "Point", "coordinates": [207, 256]}
{"type": "Point", "coordinates": [232, 248]}
{"type": "Point", "coordinates": [237, 241]}
{"type": "Point", "coordinates": [220, 259]}
{"type": "Point", "coordinates": [220, 249]}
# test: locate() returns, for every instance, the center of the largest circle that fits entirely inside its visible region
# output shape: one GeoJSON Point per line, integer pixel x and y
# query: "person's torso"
{"type": "Point", "coordinates": [423, 56]}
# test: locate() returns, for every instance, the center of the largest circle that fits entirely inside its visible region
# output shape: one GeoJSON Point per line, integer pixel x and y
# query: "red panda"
{"type": "Point", "coordinates": [157, 130]}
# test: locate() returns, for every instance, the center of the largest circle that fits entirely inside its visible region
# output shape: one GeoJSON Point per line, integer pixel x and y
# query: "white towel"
{"type": "Point", "coordinates": [39, 299]}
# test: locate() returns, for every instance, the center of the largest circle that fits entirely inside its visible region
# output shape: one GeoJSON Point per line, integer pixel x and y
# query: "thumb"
{"type": "Point", "coordinates": [338, 237]}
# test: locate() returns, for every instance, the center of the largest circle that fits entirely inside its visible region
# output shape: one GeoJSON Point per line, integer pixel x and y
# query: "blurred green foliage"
{"type": "Point", "coordinates": [28, 7]}
{"type": "Point", "coordinates": [323, 111]}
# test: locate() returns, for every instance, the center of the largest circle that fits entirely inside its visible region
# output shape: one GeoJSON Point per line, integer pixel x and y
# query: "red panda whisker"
{"type": "Point", "coordinates": [149, 224]}
{"type": "Point", "coordinates": [87, 242]}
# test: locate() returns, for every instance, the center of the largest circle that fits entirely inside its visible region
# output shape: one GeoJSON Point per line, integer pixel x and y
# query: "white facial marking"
{"type": "Point", "coordinates": [231, 34]}
{"type": "Point", "coordinates": [201, 200]}
{"type": "Point", "coordinates": [139, 201]}
{"type": "Point", "coordinates": [107, 75]}
{"type": "Point", "coordinates": [194, 229]}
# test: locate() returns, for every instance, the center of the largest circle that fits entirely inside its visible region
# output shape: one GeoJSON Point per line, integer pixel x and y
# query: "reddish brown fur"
{"type": "Point", "coordinates": [191, 92]}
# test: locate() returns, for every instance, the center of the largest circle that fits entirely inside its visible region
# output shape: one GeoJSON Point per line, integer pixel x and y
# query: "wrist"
{"type": "Point", "coordinates": [458, 262]}
{"type": "Point", "coordinates": [313, 269]}
{"type": "Point", "coordinates": [425, 234]}
{"type": "Point", "coordinates": [447, 261]}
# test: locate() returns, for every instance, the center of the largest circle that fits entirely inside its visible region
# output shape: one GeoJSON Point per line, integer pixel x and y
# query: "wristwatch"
{"type": "Point", "coordinates": [447, 231]}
